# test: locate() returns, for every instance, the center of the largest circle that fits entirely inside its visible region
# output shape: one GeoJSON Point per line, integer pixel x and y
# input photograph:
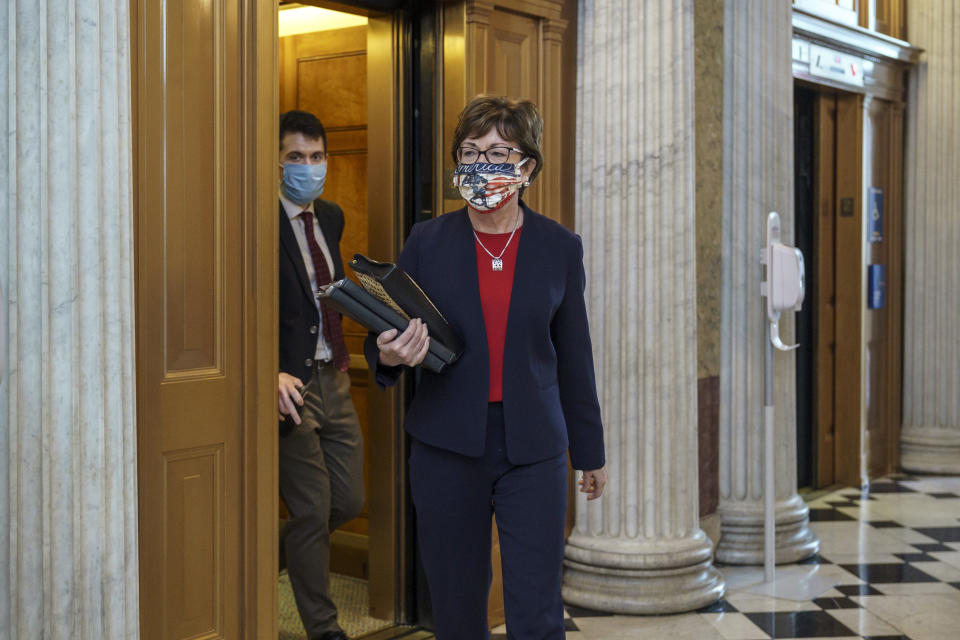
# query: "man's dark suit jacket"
{"type": "Point", "coordinates": [549, 390]}
{"type": "Point", "coordinates": [299, 318]}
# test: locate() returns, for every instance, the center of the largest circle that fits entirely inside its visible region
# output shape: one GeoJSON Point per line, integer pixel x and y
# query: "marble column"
{"type": "Point", "coordinates": [640, 548]}
{"type": "Point", "coordinates": [930, 439]}
{"type": "Point", "coordinates": [757, 178]}
{"type": "Point", "coordinates": [68, 484]}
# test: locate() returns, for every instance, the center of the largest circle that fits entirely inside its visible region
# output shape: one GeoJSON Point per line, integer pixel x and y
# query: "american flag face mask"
{"type": "Point", "coordinates": [486, 187]}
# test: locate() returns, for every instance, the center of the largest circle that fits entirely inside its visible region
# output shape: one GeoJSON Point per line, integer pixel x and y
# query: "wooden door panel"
{"type": "Point", "coordinates": [883, 141]}
{"type": "Point", "coordinates": [189, 311]}
{"type": "Point", "coordinates": [824, 328]}
{"type": "Point", "coordinates": [848, 409]}
{"type": "Point", "coordinates": [194, 503]}
{"type": "Point", "coordinates": [192, 210]}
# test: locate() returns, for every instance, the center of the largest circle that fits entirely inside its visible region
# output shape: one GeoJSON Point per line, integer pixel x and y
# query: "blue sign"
{"type": "Point", "coordinates": [876, 286]}
{"type": "Point", "coordinates": [875, 214]}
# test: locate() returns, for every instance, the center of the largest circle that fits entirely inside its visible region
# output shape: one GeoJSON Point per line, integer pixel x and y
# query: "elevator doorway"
{"type": "Point", "coordinates": [341, 65]}
{"type": "Point", "coordinates": [848, 163]}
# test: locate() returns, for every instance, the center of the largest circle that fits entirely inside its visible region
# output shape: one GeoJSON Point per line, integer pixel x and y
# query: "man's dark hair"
{"type": "Point", "coordinates": [302, 122]}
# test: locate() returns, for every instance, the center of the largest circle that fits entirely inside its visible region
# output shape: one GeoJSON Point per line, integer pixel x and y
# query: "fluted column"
{"type": "Point", "coordinates": [68, 542]}
{"type": "Point", "coordinates": [757, 178]}
{"type": "Point", "coordinates": [930, 439]}
{"type": "Point", "coordinates": [640, 548]}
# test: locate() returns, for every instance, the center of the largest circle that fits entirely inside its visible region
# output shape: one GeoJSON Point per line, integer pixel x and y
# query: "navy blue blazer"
{"type": "Point", "coordinates": [299, 318]}
{"type": "Point", "coordinates": [549, 390]}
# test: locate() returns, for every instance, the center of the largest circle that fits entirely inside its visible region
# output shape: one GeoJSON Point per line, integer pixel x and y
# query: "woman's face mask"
{"type": "Point", "coordinates": [487, 187]}
{"type": "Point", "coordinates": [303, 183]}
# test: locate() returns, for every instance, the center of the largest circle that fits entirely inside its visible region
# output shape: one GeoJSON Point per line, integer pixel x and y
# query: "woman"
{"type": "Point", "coordinates": [490, 434]}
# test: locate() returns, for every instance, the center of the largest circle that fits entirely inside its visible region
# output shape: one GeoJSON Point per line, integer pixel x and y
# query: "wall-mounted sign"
{"type": "Point", "coordinates": [836, 66]}
{"type": "Point", "coordinates": [876, 286]}
{"type": "Point", "coordinates": [874, 214]}
{"type": "Point", "coordinates": [801, 50]}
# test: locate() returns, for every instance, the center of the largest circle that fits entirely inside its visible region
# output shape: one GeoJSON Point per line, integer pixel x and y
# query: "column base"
{"type": "Point", "coordinates": [930, 450]}
{"type": "Point", "coordinates": [741, 532]}
{"type": "Point", "coordinates": [623, 576]}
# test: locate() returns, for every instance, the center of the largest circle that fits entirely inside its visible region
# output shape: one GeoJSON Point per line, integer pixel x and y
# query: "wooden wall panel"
{"type": "Point", "coordinates": [513, 69]}
{"type": "Point", "coordinates": [513, 66]}
{"type": "Point", "coordinates": [329, 85]}
{"type": "Point", "coordinates": [347, 180]}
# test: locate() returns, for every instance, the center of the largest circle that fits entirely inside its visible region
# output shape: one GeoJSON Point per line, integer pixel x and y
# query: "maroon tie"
{"type": "Point", "coordinates": [331, 319]}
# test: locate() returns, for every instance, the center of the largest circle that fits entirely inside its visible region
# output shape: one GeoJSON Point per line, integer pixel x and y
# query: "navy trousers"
{"type": "Point", "coordinates": [455, 497]}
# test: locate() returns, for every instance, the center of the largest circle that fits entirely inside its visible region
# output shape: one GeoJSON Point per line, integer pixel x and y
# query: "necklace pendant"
{"type": "Point", "coordinates": [496, 264]}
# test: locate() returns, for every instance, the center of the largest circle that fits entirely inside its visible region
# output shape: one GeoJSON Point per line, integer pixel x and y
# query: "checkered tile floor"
{"type": "Point", "coordinates": [889, 568]}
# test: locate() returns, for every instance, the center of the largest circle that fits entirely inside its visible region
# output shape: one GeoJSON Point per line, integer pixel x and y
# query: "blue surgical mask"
{"type": "Point", "coordinates": [303, 183]}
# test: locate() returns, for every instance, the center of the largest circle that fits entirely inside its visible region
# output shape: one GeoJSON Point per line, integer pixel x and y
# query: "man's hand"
{"type": "Point", "coordinates": [289, 397]}
{"type": "Point", "coordinates": [593, 483]}
{"type": "Point", "coordinates": [409, 348]}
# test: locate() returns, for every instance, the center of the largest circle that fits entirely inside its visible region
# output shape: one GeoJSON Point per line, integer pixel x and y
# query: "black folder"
{"type": "Point", "coordinates": [396, 288]}
{"type": "Point", "coordinates": [354, 301]}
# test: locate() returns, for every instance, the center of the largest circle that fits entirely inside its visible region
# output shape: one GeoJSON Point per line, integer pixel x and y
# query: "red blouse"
{"type": "Point", "coordinates": [495, 289]}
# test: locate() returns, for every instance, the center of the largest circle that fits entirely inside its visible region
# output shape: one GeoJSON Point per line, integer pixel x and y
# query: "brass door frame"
{"type": "Point", "coordinates": [385, 195]}
{"type": "Point", "coordinates": [261, 246]}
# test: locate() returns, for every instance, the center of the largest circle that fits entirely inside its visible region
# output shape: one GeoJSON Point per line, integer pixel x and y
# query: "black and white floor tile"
{"type": "Point", "coordinates": [888, 569]}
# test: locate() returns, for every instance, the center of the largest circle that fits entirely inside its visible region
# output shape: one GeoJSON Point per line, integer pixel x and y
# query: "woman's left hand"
{"type": "Point", "coordinates": [593, 483]}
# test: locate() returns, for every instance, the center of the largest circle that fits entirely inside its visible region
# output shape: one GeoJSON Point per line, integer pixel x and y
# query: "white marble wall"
{"type": "Point", "coordinates": [68, 544]}
{"type": "Point", "coordinates": [757, 178]}
{"type": "Point", "coordinates": [640, 548]}
{"type": "Point", "coordinates": [930, 439]}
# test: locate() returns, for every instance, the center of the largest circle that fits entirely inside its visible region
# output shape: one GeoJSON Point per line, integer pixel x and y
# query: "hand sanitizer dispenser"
{"type": "Point", "coordinates": [783, 288]}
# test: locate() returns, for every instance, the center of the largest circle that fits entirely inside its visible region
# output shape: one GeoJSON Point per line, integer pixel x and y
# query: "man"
{"type": "Point", "coordinates": [321, 464]}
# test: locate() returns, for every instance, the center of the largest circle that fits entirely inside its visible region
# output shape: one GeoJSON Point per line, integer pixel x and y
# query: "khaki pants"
{"type": "Point", "coordinates": [321, 481]}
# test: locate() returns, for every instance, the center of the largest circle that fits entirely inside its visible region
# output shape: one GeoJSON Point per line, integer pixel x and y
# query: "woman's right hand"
{"type": "Point", "coordinates": [409, 348]}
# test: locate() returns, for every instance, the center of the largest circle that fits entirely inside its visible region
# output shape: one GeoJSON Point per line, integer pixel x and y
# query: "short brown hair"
{"type": "Point", "coordinates": [302, 122]}
{"type": "Point", "coordinates": [517, 121]}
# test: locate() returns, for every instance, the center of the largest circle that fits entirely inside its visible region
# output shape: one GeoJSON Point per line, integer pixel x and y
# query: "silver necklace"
{"type": "Point", "coordinates": [496, 262]}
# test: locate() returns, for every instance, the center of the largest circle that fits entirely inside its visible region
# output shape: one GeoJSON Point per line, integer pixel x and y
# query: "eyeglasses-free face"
{"type": "Point", "coordinates": [496, 154]}
{"type": "Point", "coordinates": [300, 149]}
